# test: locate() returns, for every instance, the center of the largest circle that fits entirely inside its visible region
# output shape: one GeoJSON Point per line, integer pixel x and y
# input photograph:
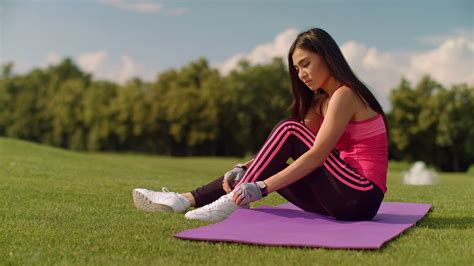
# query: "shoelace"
{"type": "Point", "coordinates": [219, 202]}
{"type": "Point", "coordinates": [164, 189]}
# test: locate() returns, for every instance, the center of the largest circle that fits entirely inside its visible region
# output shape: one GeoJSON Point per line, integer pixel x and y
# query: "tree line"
{"type": "Point", "coordinates": [196, 111]}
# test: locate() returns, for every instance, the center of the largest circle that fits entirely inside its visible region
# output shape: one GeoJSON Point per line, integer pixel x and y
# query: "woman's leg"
{"type": "Point", "coordinates": [213, 190]}
{"type": "Point", "coordinates": [338, 190]}
{"type": "Point", "coordinates": [206, 194]}
{"type": "Point", "coordinates": [333, 189]}
{"type": "Point", "coordinates": [190, 198]}
{"type": "Point", "coordinates": [289, 139]}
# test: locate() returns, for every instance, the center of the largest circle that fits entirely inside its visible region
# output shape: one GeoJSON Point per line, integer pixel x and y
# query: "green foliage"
{"type": "Point", "coordinates": [259, 97]}
{"type": "Point", "coordinates": [96, 101]}
{"type": "Point", "coordinates": [196, 111]}
{"type": "Point", "coordinates": [470, 170]}
{"type": "Point", "coordinates": [189, 111]}
{"type": "Point", "coordinates": [433, 124]}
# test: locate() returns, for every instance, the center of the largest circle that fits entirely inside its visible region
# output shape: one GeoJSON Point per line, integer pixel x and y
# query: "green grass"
{"type": "Point", "coordinates": [63, 207]}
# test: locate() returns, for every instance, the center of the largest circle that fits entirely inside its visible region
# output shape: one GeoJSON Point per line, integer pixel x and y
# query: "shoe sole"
{"type": "Point", "coordinates": [190, 216]}
{"type": "Point", "coordinates": [143, 203]}
{"type": "Point", "coordinates": [205, 218]}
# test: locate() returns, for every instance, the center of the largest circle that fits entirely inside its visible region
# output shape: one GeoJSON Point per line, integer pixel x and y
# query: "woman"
{"type": "Point", "coordinates": [337, 138]}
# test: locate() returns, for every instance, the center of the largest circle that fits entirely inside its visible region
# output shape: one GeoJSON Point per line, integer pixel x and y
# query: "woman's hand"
{"type": "Point", "coordinates": [246, 193]}
{"type": "Point", "coordinates": [232, 177]}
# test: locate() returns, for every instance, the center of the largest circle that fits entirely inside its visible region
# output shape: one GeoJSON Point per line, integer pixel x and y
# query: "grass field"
{"type": "Point", "coordinates": [63, 207]}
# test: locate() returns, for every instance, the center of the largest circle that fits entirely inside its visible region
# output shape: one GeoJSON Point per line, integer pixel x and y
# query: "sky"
{"type": "Point", "coordinates": [383, 41]}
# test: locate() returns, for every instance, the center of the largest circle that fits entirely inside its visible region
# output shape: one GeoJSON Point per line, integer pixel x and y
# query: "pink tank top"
{"type": "Point", "coordinates": [364, 146]}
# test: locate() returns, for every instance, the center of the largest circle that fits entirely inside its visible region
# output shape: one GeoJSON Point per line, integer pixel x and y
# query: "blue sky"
{"type": "Point", "coordinates": [118, 39]}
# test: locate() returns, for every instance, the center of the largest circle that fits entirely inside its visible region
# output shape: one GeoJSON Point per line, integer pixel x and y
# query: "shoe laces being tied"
{"type": "Point", "coordinates": [221, 201]}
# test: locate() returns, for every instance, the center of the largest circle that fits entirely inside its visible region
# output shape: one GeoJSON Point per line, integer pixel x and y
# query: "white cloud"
{"type": "Point", "coordinates": [230, 63]}
{"type": "Point", "coordinates": [450, 62]}
{"type": "Point", "coordinates": [97, 64]}
{"type": "Point", "coordinates": [92, 62]}
{"type": "Point", "coordinates": [53, 58]}
{"type": "Point", "coordinates": [130, 69]}
{"type": "Point", "coordinates": [144, 6]}
{"type": "Point", "coordinates": [262, 53]}
{"type": "Point", "coordinates": [381, 71]}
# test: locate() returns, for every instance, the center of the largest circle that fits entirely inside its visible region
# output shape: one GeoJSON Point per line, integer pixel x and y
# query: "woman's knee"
{"type": "Point", "coordinates": [287, 121]}
{"type": "Point", "coordinates": [284, 122]}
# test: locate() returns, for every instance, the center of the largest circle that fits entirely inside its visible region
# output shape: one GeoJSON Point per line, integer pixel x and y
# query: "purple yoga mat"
{"type": "Point", "coordinates": [287, 225]}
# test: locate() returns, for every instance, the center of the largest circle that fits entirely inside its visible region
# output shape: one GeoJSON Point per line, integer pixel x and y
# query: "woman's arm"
{"type": "Point", "coordinates": [341, 109]}
{"type": "Point", "coordinates": [249, 163]}
{"type": "Point", "coordinates": [312, 118]}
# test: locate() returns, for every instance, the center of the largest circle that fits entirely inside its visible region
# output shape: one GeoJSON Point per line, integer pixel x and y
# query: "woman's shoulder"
{"type": "Point", "coordinates": [343, 96]}
{"type": "Point", "coordinates": [345, 91]}
{"type": "Point", "coordinates": [347, 96]}
{"type": "Point", "coordinates": [362, 110]}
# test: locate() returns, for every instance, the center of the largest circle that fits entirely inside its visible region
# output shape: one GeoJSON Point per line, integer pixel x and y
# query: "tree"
{"type": "Point", "coordinates": [22, 109]}
{"type": "Point", "coordinates": [66, 107]}
{"type": "Point", "coordinates": [455, 128]}
{"type": "Point", "coordinates": [409, 132]}
{"type": "Point", "coordinates": [7, 91]}
{"type": "Point", "coordinates": [53, 82]}
{"type": "Point", "coordinates": [159, 139]}
{"type": "Point", "coordinates": [260, 95]}
{"type": "Point", "coordinates": [127, 114]}
{"type": "Point", "coordinates": [96, 102]}
{"type": "Point", "coordinates": [432, 124]}
{"type": "Point", "coordinates": [182, 106]}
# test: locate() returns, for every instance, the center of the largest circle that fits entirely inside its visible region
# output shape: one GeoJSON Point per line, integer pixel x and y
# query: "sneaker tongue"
{"type": "Point", "coordinates": [155, 196]}
{"type": "Point", "coordinates": [222, 200]}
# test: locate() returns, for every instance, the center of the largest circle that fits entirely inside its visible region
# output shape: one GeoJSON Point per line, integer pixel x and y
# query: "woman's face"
{"type": "Point", "coordinates": [311, 68]}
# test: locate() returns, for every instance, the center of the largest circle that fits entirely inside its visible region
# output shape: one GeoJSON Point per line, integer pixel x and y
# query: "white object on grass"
{"type": "Point", "coordinates": [166, 201]}
{"type": "Point", "coordinates": [420, 175]}
{"type": "Point", "coordinates": [215, 211]}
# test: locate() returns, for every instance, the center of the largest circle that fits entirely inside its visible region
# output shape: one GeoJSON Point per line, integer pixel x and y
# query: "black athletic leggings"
{"type": "Point", "coordinates": [334, 189]}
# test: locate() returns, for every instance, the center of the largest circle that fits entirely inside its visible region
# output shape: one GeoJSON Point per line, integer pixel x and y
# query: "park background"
{"type": "Point", "coordinates": [182, 78]}
{"type": "Point", "coordinates": [121, 94]}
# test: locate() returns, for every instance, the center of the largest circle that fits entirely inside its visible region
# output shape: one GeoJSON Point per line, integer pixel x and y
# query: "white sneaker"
{"type": "Point", "coordinates": [215, 211]}
{"type": "Point", "coordinates": [166, 201]}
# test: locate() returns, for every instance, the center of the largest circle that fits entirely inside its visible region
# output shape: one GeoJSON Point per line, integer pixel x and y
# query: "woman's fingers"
{"type": "Point", "coordinates": [238, 197]}
{"type": "Point", "coordinates": [238, 201]}
{"type": "Point", "coordinates": [226, 186]}
{"type": "Point", "coordinates": [235, 197]}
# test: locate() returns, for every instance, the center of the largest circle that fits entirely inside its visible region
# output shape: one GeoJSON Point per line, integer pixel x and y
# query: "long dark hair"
{"type": "Point", "coordinates": [319, 41]}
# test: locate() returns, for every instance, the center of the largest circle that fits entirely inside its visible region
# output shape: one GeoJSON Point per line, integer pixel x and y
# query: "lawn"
{"type": "Point", "coordinates": [63, 207]}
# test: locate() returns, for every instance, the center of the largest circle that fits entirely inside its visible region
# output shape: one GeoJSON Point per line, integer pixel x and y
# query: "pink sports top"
{"type": "Point", "coordinates": [364, 146]}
